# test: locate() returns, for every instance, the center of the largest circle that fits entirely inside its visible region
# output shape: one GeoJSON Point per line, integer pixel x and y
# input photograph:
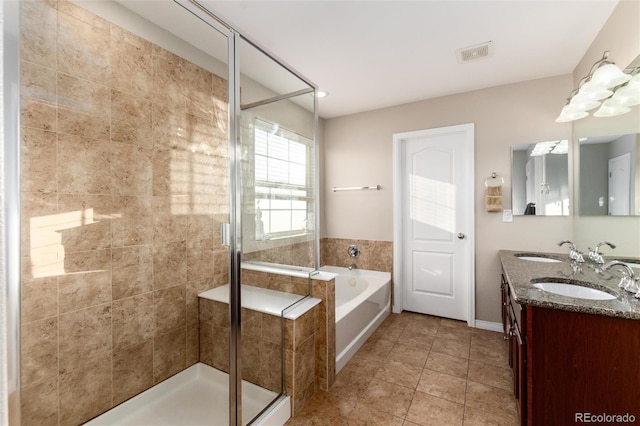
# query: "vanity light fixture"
{"type": "Point", "coordinates": [553, 147]}
{"type": "Point", "coordinates": [604, 81]}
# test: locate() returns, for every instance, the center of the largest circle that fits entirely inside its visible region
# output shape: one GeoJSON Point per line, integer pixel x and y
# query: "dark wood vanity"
{"type": "Point", "coordinates": [570, 366]}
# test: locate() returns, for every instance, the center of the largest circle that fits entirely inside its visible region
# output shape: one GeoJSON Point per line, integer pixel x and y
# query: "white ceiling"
{"type": "Point", "coordinates": [375, 54]}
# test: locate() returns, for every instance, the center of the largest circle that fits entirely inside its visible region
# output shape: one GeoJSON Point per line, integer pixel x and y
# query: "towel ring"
{"type": "Point", "coordinates": [494, 180]}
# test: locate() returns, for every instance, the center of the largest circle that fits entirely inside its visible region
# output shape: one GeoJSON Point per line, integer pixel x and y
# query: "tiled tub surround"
{"type": "Point", "coordinates": [262, 339]}
{"type": "Point", "coordinates": [520, 273]}
{"type": "Point", "coordinates": [123, 183]}
{"type": "Point", "coordinates": [374, 255]}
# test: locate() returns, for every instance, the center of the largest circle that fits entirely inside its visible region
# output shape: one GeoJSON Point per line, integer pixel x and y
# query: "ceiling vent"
{"type": "Point", "coordinates": [471, 53]}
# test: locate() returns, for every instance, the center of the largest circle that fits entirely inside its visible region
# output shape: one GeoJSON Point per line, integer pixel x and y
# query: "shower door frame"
{"type": "Point", "coordinates": [10, 214]}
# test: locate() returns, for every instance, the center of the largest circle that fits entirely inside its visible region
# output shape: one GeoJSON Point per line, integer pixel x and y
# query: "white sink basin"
{"type": "Point", "coordinates": [572, 290]}
{"type": "Point", "coordinates": [534, 258]}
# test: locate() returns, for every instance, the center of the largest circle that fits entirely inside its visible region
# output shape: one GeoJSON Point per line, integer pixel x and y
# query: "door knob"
{"type": "Point", "coordinates": [460, 236]}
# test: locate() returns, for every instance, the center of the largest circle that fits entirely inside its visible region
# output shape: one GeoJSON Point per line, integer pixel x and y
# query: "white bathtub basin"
{"type": "Point", "coordinates": [572, 290]}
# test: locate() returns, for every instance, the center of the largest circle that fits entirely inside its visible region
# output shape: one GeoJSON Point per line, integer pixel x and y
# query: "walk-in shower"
{"type": "Point", "coordinates": [167, 181]}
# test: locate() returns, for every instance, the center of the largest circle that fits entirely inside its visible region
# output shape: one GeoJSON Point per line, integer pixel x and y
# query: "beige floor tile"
{"type": "Point", "coordinates": [399, 319]}
{"type": "Point", "coordinates": [493, 336]}
{"type": "Point", "coordinates": [424, 325]}
{"type": "Point", "coordinates": [388, 397]}
{"type": "Point", "coordinates": [487, 374]}
{"type": "Point", "coordinates": [455, 333]}
{"type": "Point", "coordinates": [364, 415]}
{"type": "Point", "coordinates": [448, 364]}
{"type": "Point", "coordinates": [443, 386]}
{"type": "Point", "coordinates": [489, 352]}
{"type": "Point", "coordinates": [399, 373]}
{"type": "Point", "coordinates": [478, 417]}
{"type": "Point", "coordinates": [412, 337]}
{"type": "Point", "coordinates": [428, 410]}
{"type": "Point", "coordinates": [447, 322]}
{"type": "Point", "coordinates": [451, 347]}
{"type": "Point", "coordinates": [409, 354]}
{"type": "Point", "coordinates": [378, 347]}
{"type": "Point", "coordinates": [391, 332]}
{"type": "Point", "coordinates": [490, 399]}
{"type": "Point", "coordinates": [352, 382]}
{"type": "Point", "coordinates": [366, 391]}
{"type": "Point", "coordinates": [325, 409]}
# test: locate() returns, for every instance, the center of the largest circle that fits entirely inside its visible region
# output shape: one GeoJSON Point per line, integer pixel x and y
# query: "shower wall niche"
{"type": "Point", "coordinates": [124, 151]}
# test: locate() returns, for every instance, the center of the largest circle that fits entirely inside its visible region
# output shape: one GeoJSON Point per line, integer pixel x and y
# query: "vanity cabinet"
{"type": "Point", "coordinates": [569, 366]}
{"type": "Point", "coordinates": [580, 365]}
{"type": "Point", "coordinates": [514, 327]}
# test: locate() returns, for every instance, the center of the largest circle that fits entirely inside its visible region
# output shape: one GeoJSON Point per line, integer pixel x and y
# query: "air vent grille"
{"type": "Point", "coordinates": [471, 53]}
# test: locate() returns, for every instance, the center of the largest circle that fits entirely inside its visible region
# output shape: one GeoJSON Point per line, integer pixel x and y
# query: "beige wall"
{"type": "Point", "coordinates": [358, 151]}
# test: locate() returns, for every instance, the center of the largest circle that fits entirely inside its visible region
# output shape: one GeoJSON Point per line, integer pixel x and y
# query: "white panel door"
{"type": "Point", "coordinates": [619, 185]}
{"type": "Point", "coordinates": [437, 221]}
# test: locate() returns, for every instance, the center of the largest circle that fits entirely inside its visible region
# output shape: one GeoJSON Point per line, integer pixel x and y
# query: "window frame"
{"type": "Point", "coordinates": [267, 127]}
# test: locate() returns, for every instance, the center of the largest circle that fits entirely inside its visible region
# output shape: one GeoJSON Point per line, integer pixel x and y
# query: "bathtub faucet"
{"type": "Point", "coordinates": [353, 266]}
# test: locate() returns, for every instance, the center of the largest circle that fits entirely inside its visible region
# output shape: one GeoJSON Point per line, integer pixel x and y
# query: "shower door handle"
{"type": "Point", "coordinates": [224, 233]}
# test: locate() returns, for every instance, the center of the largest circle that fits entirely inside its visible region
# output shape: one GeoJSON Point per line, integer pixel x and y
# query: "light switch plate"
{"type": "Point", "coordinates": [507, 215]}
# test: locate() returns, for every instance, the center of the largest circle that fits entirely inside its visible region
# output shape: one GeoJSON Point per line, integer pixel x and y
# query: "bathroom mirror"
{"type": "Point", "coordinates": [540, 178]}
{"type": "Point", "coordinates": [591, 228]}
{"type": "Point", "coordinates": [609, 175]}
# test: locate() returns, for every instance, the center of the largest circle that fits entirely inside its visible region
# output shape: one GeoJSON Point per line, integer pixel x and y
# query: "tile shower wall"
{"type": "Point", "coordinates": [124, 181]}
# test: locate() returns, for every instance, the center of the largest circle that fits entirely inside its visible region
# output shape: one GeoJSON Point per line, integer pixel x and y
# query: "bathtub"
{"type": "Point", "coordinates": [363, 301]}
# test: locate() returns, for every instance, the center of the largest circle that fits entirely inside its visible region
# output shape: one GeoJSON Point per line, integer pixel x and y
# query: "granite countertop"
{"type": "Point", "coordinates": [521, 274]}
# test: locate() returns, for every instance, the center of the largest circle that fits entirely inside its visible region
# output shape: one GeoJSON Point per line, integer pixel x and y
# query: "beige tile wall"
{"type": "Point", "coordinates": [326, 332]}
{"type": "Point", "coordinates": [374, 255]}
{"type": "Point", "coordinates": [279, 282]}
{"type": "Point", "coordinates": [261, 343]}
{"type": "Point", "coordinates": [123, 186]}
{"type": "Point", "coordinates": [261, 348]}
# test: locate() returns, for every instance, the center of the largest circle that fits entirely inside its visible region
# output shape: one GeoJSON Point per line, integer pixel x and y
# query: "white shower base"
{"type": "Point", "coordinates": [195, 396]}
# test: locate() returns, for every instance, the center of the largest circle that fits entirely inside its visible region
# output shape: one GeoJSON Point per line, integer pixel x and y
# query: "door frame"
{"type": "Point", "coordinates": [468, 226]}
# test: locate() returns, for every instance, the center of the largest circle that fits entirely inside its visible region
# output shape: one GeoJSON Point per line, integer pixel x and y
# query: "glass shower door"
{"type": "Point", "coordinates": [277, 203]}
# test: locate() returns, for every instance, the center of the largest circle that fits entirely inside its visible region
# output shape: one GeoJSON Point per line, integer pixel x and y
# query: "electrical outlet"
{"type": "Point", "coordinates": [507, 215]}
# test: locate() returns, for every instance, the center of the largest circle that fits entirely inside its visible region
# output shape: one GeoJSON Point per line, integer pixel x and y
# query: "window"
{"type": "Point", "coordinates": [281, 179]}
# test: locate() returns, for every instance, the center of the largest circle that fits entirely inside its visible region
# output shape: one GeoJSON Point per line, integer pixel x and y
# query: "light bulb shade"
{"type": "Point", "coordinates": [609, 75]}
{"type": "Point", "coordinates": [591, 91]}
{"type": "Point", "coordinates": [571, 113]}
{"type": "Point", "coordinates": [584, 105]}
{"type": "Point", "coordinates": [628, 96]}
{"type": "Point", "coordinates": [611, 109]}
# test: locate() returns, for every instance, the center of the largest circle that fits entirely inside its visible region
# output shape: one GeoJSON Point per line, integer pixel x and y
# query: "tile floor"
{"type": "Point", "coordinates": [420, 370]}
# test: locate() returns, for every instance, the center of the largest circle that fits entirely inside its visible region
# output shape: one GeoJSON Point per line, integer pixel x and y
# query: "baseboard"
{"type": "Point", "coordinates": [488, 325]}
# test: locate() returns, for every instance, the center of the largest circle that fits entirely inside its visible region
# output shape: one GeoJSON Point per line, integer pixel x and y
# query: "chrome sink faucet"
{"type": "Point", "coordinates": [596, 255]}
{"type": "Point", "coordinates": [574, 254]}
{"type": "Point", "coordinates": [628, 281]}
